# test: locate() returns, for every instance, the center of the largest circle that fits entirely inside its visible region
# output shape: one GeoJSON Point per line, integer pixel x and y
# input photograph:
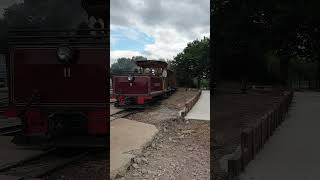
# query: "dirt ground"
{"type": "Point", "coordinates": [93, 167]}
{"type": "Point", "coordinates": [233, 111]}
{"type": "Point", "coordinates": [181, 150]}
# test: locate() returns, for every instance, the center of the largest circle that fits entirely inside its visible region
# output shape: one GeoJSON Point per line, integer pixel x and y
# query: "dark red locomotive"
{"type": "Point", "coordinates": [152, 80]}
{"type": "Point", "coordinates": [58, 83]}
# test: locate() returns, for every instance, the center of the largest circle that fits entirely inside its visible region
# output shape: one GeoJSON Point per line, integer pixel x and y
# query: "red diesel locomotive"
{"type": "Point", "coordinates": [151, 81]}
{"type": "Point", "coordinates": [58, 84]}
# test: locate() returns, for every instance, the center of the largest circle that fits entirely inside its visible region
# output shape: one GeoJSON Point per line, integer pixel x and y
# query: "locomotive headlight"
{"type": "Point", "coordinates": [130, 78]}
{"type": "Point", "coordinates": [64, 54]}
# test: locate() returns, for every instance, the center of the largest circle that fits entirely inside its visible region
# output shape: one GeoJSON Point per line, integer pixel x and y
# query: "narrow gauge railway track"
{"type": "Point", "coordinates": [4, 104]}
{"type": "Point", "coordinates": [10, 130]}
{"type": "Point", "coordinates": [44, 164]}
{"type": "Point", "coordinates": [124, 113]}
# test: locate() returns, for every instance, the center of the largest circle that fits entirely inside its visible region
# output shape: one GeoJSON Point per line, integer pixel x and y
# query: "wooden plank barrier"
{"type": "Point", "coordinates": [246, 146]}
{"type": "Point", "coordinates": [190, 103]}
{"type": "Point", "coordinates": [253, 138]}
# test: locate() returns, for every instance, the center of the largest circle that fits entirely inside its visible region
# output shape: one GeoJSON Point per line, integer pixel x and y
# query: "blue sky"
{"type": "Point", "coordinates": [156, 29]}
{"type": "Point", "coordinates": [128, 38]}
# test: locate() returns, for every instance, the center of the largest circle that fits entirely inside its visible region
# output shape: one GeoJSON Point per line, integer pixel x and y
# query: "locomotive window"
{"type": "Point", "coordinates": [147, 70]}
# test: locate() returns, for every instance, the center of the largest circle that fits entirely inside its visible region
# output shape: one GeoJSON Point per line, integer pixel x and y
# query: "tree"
{"type": "Point", "coordinates": [193, 62]}
{"type": "Point", "coordinates": [45, 14]}
{"type": "Point", "coordinates": [125, 64]}
{"type": "Point", "coordinates": [245, 31]}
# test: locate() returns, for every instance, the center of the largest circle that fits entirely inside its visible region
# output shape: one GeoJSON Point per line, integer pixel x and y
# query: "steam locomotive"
{"type": "Point", "coordinates": [151, 81]}
{"type": "Point", "coordinates": [58, 85]}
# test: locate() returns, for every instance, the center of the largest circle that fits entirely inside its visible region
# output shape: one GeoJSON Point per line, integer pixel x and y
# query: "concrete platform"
{"type": "Point", "coordinates": [114, 110]}
{"type": "Point", "coordinates": [11, 154]}
{"type": "Point", "coordinates": [127, 136]}
{"type": "Point", "coordinates": [201, 110]}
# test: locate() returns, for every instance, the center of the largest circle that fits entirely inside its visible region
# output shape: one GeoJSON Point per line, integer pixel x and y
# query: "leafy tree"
{"type": "Point", "coordinates": [193, 62]}
{"type": "Point", "coordinates": [46, 14]}
{"type": "Point", "coordinates": [244, 31]}
{"type": "Point", "coordinates": [125, 64]}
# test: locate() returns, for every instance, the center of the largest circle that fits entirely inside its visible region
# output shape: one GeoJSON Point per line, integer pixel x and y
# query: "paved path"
{"type": "Point", "coordinates": [114, 110]}
{"type": "Point", "coordinates": [12, 154]}
{"type": "Point", "coordinates": [201, 110]}
{"type": "Point", "coordinates": [293, 152]}
{"type": "Point", "coordinates": [127, 138]}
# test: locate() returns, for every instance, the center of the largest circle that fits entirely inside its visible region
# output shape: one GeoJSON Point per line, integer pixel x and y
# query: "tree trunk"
{"type": "Point", "coordinates": [284, 66]}
{"type": "Point", "coordinates": [244, 85]}
{"type": "Point", "coordinates": [309, 84]}
{"type": "Point", "coordinates": [318, 74]}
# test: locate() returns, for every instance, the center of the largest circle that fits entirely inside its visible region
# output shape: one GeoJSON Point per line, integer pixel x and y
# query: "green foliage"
{"type": "Point", "coordinates": [302, 70]}
{"type": "Point", "coordinates": [46, 14]}
{"type": "Point", "coordinates": [41, 14]}
{"type": "Point", "coordinates": [193, 62]}
{"type": "Point", "coordinates": [247, 31]}
{"type": "Point", "coordinates": [125, 64]}
{"type": "Point", "coordinates": [204, 83]}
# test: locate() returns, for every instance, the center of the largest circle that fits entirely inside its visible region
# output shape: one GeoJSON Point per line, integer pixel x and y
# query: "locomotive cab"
{"type": "Point", "coordinates": [152, 80]}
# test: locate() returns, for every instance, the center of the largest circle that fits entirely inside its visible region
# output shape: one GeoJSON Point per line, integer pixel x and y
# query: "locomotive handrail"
{"type": "Point", "coordinates": [11, 30]}
{"type": "Point", "coordinates": [62, 36]}
{"type": "Point", "coordinates": [132, 73]}
{"type": "Point", "coordinates": [36, 35]}
{"type": "Point", "coordinates": [46, 43]}
{"type": "Point", "coordinates": [57, 39]}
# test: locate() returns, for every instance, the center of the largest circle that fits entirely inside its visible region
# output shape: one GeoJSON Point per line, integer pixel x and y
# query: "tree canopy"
{"type": "Point", "coordinates": [246, 31]}
{"type": "Point", "coordinates": [125, 64]}
{"type": "Point", "coordinates": [45, 14]}
{"type": "Point", "coordinates": [193, 62]}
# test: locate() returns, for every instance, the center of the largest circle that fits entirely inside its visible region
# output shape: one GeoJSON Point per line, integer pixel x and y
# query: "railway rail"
{"type": "Point", "coordinates": [44, 164]}
{"type": "Point", "coordinates": [4, 101]}
{"type": "Point", "coordinates": [124, 113]}
{"type": "Point", "coordinates": [10, 130]}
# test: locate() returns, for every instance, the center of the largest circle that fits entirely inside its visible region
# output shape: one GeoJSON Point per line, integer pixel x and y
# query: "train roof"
{"type": "Point", "coordinates": [151, 64]}
{"type": "Point", "coordinates": [32, 36]}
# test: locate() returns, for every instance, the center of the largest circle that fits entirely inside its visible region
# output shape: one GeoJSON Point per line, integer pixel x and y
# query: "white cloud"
{"type": "Point", "coordinates": [172, 23]}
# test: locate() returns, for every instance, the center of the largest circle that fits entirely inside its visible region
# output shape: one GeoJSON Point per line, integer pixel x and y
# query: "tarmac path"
{"type": "Point", "coordinates": [293, 152]}
{"type": "Point", "coordinates": [114, 110]}
{"type": "Point", "coordinates": [201, 110]}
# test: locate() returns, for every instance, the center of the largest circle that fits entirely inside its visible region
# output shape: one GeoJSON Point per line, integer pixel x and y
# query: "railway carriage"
{"type": "Point", "coordinates": [152, 80]}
